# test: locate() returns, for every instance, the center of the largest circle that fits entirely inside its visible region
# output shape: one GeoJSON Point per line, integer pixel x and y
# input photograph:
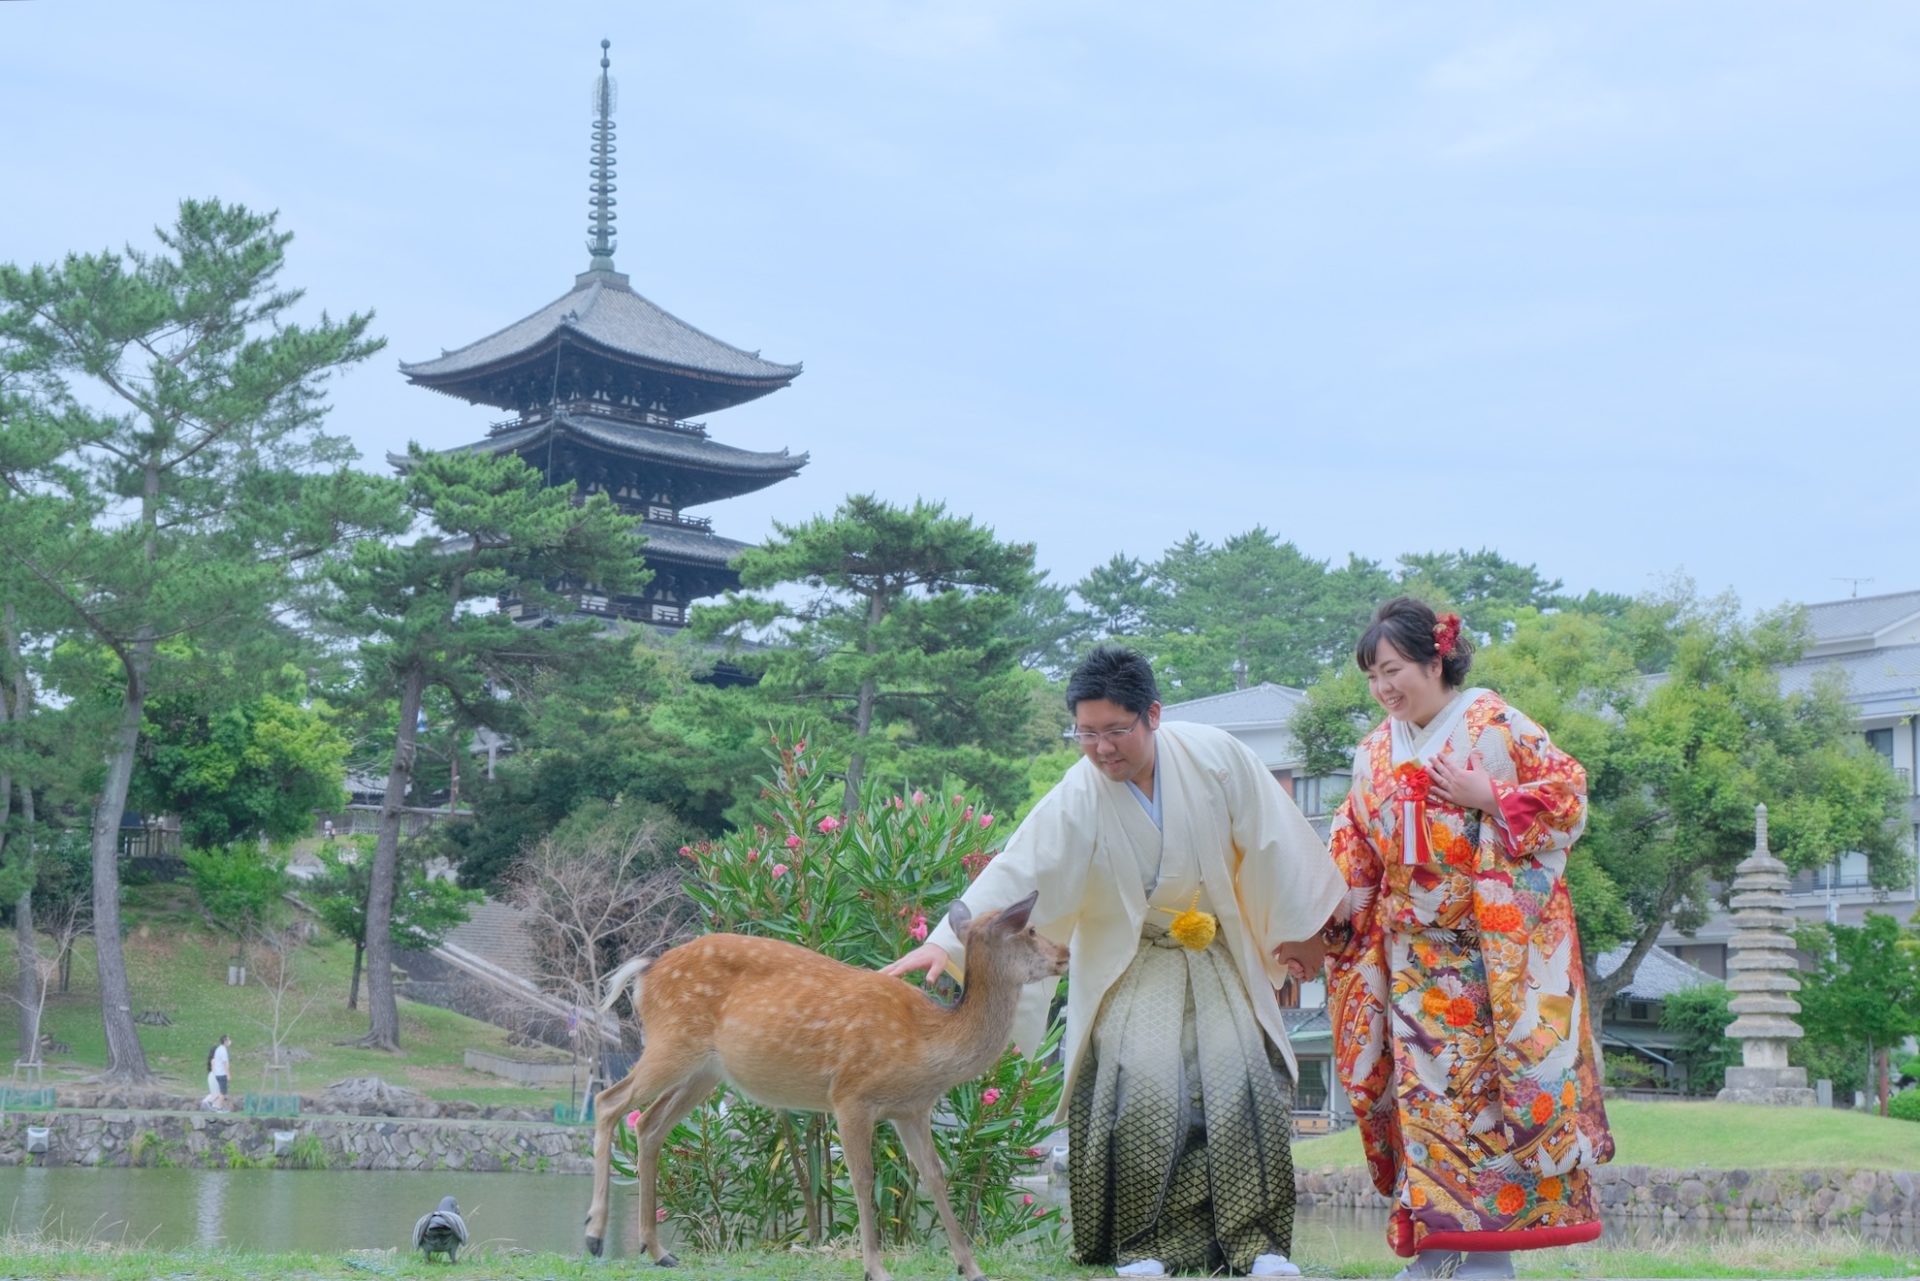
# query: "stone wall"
{"type": "Point", "coordinates": [1808, 1198]}
{"type": "Point", "coordinates": [214, 1140]}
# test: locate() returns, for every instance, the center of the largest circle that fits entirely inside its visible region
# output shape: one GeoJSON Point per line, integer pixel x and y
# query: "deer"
{"type": "Point", "coordinates": [795, 1030]}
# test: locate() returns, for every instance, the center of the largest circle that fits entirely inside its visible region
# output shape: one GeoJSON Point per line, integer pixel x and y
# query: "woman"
{"type": "Point", "coordinates": [214, 1100]}
{"type": "Point", "coordinates": [1455, 988]}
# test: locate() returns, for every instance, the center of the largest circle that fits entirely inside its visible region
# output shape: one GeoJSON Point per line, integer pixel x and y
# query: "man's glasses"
{"type": "Point", "coordinates": [1088, 737]}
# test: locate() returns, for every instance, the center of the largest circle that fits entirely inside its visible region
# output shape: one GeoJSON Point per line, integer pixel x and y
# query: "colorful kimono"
{"type": "Point", "coordinates": [1456, 993]}
{"type": "Point", "coordinates": [1179, 1083]}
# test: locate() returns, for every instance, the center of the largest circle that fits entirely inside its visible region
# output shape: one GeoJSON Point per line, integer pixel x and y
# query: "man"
{"type": "Point", "coordinates": [1172, 865]}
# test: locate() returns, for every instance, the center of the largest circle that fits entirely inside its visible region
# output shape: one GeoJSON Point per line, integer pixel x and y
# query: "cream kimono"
{"type": "Point", "coordinates": [1268, 876]}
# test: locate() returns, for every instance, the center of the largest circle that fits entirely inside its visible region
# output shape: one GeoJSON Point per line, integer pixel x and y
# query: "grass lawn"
{"type": "Point", "coordinates": [177, 964]}
{"type": "Point", "coordinates": [1720, 1136]}
{"type": "Point", "coordinates": [1776, 1254]}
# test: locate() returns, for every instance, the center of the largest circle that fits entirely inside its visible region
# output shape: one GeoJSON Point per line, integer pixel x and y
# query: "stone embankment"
{"type": "Point", "coordinates": [362, 1124]}
{"type": "Point", "coordinates": [1808, 1198]}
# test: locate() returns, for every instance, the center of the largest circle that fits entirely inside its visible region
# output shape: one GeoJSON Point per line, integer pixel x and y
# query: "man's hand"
{"type": "Point", "coordinates": [1303, 960]}
{"type": "Point", "coordinates": [928, 957]}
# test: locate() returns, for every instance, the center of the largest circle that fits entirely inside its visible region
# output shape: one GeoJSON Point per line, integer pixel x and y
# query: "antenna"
{"type": "Point", "coordinates": [1855, 582]}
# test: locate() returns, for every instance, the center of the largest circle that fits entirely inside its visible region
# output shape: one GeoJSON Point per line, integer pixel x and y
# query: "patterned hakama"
{"type": "Point", "coordinates": [1180, 1141]}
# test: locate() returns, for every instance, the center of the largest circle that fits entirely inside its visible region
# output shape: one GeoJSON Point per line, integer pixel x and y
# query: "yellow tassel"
{"type": "Point", "coordinates": [1192, 928]}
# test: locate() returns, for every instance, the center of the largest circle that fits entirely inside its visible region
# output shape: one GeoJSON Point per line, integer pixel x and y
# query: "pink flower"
{"type": "Point", "coordinates": [686, 851]}
{"type": "Point", "coordinates": [1036, 1153]}
{"type": "Point", "coordinates": [794, 842]}
{"type": "Point", "coordinates": [799, 744]}
{"type": "Point", "coordinates": [779, 870]}
{"type": "Point", "coordinates": [991, 1095]}
{"type": "Point", "coordinates": [1039, 1211]}
{"type": "Point", "coordinates": [986, 820]}
{"type": "Point", "coordinates": [1027, 1199]}
{"type": "Point", "coordinates": [752, 855]}
{"type": "Point", "coordinates": [966, 813]}
{"type": "Point", "coordinates": [633, 1119]}
{"type": "Point", "coordinates": [959, 800]}
{"type": "Point", "coordinates": [829, 824]}
{"type": "Point", "coordinates": [918, 930]}
{"type": "Point", "coordinates": [919, 797]}
{"type": "Point", "coordinates": [660, 1215]}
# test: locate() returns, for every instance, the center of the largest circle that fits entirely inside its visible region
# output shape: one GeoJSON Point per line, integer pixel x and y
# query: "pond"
{"type": "Point", "coordinates": [325, 1212]}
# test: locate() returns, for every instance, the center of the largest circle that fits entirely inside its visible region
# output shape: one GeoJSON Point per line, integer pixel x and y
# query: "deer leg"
{"type": "Point", "coordinates": [660, 1068]}
{"type": "Point", "coordinates": [667, 1111]}
{"type": "Point", "coordinates": [855, 1121]}
{"type": "Point", "coordinates": [916, 1135]}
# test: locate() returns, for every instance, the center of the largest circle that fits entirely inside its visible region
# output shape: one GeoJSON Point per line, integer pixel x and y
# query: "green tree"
{"type": "Point", "coordinates": [1865, 990]}
{"type": "Point", "coordinates": [1700, 1017]}
{"type": "Point", "coordinates": [257, 769]}
{"type": "Point", "coordinates": [495, 530]}
{"type": "Point", "coordinates": [242, 890]}
{"type": "Point", "coordinates": [425, 909]}
{"type": "Point", "coordinates": [897, 631]}
{"type": "Point", "coordinates": [1675, 786]}
{"type": "Point", "coordinates": [168, 478]}
{"type": "Point", "coordinates": [1484, 586]}
{"type": "Point", "coordinates": [1119, 596]}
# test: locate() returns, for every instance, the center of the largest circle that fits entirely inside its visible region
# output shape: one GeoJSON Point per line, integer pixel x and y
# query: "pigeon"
{"type": "Point", "coordinates": [442, 1231]}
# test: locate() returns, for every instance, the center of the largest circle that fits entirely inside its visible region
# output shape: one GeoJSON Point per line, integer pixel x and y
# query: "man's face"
{"type": "Point", "coordinates": [1119, 742]}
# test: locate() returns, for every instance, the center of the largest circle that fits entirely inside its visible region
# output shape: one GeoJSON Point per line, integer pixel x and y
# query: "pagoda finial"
{"type": "Point", "coordinates": [605, 91]}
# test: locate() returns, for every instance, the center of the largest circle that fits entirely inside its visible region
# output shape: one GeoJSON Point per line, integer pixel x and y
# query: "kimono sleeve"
{"type": "Point", "coordinates": [1051, 852]}
{"type": "Point", "coordinates": [1287, 885]}
{"type": "Point", "coordinates": [1545, 809]}
{"type": "Point", "coordinates": [1358, 859]}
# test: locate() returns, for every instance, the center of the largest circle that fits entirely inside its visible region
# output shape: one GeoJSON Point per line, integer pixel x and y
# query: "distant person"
{"type": "Point", "coordinates": [1459, 1012]}
{"type": "Point", "coordinates": [211, 1101]}
{"type": "Point", "coordinates": [219, 1065]}
{"type": "Point", "coordinates": [1172, 865]}
{"type": "Point", "coordinates": [326, 830]}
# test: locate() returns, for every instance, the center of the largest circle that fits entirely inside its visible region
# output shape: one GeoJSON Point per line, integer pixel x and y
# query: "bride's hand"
{"type": "Point", "coordinates": [1467, 787]}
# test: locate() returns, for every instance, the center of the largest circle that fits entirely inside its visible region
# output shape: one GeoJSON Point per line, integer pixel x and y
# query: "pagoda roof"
{"type": "Point", "coordinates": [603, 315]}
{"type": "Point", "coordinates": [672, 542]}
{"type": "Point", "coordinates": [747, 469]}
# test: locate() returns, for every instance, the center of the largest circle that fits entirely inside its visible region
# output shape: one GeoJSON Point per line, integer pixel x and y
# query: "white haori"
{"type": "Point", "coordinates": [1085, 844]}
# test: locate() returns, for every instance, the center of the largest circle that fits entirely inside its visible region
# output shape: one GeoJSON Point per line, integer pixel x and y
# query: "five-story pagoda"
{"type": "Point", "coordinates": [603, 385]}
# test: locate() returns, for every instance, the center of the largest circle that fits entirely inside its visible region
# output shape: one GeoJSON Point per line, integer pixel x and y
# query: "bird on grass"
{"type": "Point", "coordinates": [441, 1231]}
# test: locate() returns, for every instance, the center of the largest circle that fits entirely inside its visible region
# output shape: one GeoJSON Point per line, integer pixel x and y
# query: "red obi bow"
{"type": "Point", "coordinates": [1412, 783]}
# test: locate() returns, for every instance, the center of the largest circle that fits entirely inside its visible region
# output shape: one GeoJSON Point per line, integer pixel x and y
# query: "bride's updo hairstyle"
{"type": "Point", "coordinates": [1411, 627]}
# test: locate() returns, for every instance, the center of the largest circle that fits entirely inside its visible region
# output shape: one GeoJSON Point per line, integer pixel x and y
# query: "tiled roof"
{"type": "Point", "coordinates": [671, 542]}
{"type": "Point", "coordinates": [1661, 973]}
{"type": "Point", "coordinates": [603, 310]}
{"type": "Point", "coordinates": [1865, 616]}
{"type": "Point", "coordinates": [634, 439]}
{"type": "Point", "coordinates": [1264, 704]}
{"type": "Point", "coordinates": [1879, 681]}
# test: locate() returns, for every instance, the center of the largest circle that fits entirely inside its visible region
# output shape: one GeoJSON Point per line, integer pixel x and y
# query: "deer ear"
{"type": "Point", "coordinates": [959, 916]}
{"type": "Point", "coordinates": [1014, 916]}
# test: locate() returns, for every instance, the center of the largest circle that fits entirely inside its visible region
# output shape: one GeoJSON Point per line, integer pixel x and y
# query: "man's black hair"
{"type": "Point", "coordinates": [1116, 674]}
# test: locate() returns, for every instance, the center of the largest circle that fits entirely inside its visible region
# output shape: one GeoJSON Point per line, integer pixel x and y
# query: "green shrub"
{"type": "Point", "coordinates": [862, 888]}
{"type": "Point", "coordinates": [1905, 1105]}
{"type": "Point", "coordinates": [308, 1152]}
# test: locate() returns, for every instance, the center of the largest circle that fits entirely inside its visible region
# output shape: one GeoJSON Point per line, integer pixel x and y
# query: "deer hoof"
{"type": "Point", "coordinates": [594, 1246]}
{"type": "Point", "coordinates": [666, 1261]}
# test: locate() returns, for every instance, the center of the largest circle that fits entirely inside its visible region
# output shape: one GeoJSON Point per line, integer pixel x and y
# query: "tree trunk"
{"type": "Point", "coordinates": [383, 1031]}
{"type": "Point", "coordinates": [353, 988]}
{"type": "Point", "coordinates": [126, 1059]}
{"type": "Point", "coordinates": [863, 710]}
{"type": "Point", "coordinates": [13, 713]}
{"type": "Point", "coordinates": [1880, 1071]}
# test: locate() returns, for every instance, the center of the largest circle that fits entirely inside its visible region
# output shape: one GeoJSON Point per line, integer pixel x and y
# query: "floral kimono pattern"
{"type": "Point", "coordinates": [1456, 994]}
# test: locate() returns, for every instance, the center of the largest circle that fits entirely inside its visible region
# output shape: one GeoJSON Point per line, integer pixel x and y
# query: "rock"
{"type": "Point", "coordinates": [370, 1096]}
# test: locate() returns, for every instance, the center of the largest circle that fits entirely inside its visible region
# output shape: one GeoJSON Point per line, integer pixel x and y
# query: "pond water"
{"type": "Point", "coordinates": [327, 1212]}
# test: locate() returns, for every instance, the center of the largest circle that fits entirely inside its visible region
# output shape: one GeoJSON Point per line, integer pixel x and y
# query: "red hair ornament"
{"type": "Point", "coordinates": [1446, 633]}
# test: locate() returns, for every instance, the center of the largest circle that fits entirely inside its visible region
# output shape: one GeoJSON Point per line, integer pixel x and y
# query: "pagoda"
{"type": "Point", "coordinates": [603, 385]}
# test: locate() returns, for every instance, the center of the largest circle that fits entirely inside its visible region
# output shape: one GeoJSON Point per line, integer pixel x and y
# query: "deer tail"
{"type": "Point", "coordinates": [628, 973]}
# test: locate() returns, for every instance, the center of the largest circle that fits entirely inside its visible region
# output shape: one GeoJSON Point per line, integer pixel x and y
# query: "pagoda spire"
{"type": "Point", "coordinates": [605, 91]}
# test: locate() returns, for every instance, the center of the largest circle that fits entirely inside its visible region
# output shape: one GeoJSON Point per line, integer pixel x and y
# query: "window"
{"type": "Point", "coordinates": [1320, 795]}
{"type": "Point", "coordinates": [1881, 741]}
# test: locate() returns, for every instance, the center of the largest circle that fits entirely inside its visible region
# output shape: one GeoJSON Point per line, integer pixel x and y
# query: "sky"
{"type": "Point", "coordinates": [1622, 291]}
